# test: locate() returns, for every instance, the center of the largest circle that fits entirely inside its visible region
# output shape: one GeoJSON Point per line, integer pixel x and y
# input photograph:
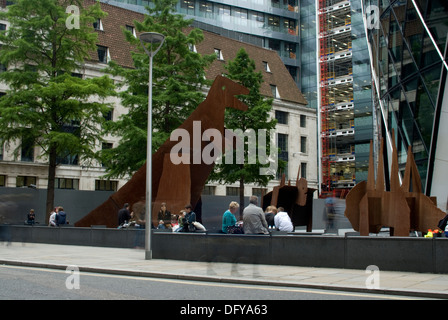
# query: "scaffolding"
{"type": "Point", "coordinates": [336, 96]}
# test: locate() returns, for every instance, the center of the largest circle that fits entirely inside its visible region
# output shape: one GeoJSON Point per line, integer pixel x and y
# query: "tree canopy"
{"type": "Point", "coordinates": [47, 103]}
{"type": "Point", "coordinates": [178, 85]}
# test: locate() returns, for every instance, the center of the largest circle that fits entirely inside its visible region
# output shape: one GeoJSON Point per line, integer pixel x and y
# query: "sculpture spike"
{"type": "Point", "coordinates": [380, 170]}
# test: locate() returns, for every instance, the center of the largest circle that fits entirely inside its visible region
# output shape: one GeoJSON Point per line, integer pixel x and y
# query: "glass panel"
{"type": "Point", "coordinates": [436, 19]}
{"type": "Point", "coordinates": [430, 54]}
{"type": "Point", "coordinates": [424, 114]}
{"type": "Point", "coordinates": [407, 120]}
{"type": "Point", "coordinates": [409, 66]}
{"type": "Point", "coordinates": [432, 79]}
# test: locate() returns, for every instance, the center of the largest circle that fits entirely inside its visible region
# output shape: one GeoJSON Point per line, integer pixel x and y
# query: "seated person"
{"type": "Point", "coordinates": [254, 221]}
{"type": "Point", "coordinates": [228, 219]}
{"type": "Point", "coordinates": [31, 217]}
{"type": "Point", "coordinates": [283, 221]}
{"type": "Point", "coordinates": [271, 211]}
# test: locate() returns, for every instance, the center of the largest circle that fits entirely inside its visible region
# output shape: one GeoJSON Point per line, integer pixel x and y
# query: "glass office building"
{"type": "Point", "coordinates": [408, 41]}
{"type": "Point", "coordinates": [272, 24]}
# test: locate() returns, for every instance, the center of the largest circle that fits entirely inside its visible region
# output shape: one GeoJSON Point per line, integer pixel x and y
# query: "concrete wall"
{"type": "Point", "coordinates": [387, 253]}
{"type": "Point", "coordinates": [15, 203]}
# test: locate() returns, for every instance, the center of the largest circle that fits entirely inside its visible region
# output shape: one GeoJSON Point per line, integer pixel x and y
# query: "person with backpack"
{"type": "Point", "coordinates": [61, 217]}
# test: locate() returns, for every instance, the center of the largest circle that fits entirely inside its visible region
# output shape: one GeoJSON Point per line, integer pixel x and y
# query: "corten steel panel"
{"type": "Point", "coordinates": [369, 207]}
{"type": "Point", "coordinates": [210, 114]}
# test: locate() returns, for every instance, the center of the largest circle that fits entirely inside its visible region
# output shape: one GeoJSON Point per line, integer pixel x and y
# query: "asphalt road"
{"type": "Point", "coordinates": [24, 283]}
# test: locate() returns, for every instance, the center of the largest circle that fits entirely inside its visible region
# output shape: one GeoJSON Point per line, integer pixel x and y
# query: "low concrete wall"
{"type": "Point", "coordinates": [387, 253]}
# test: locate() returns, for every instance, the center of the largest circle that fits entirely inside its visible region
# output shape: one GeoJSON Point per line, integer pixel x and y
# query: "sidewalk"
{"type": "Point", "coordinates": [132, 262]}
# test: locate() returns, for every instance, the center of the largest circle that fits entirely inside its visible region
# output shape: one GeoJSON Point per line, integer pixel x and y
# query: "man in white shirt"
{"type": "Point", "coordinates": [282, 221]}
{"type": "Point", "coordinates": [52, 222]}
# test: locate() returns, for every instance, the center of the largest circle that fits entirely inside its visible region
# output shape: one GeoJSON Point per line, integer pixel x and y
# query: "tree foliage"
{"type": "Point", "coordinates": [242, 70]}
{"type": "Point", "coordinates": [178, 84]}
{"type": "Point", "coordinates": [46, 104]}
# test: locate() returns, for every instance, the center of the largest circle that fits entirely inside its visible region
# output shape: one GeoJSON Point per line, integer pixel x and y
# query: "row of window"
{"type": "Point", "coordinates": [233, 191]}
{"type": "Point", "coordinates": [283, 117]}
{"type": "Point", "coordinates": [61, 183]}
{"type": "Point", "coordinates": [239, 16]}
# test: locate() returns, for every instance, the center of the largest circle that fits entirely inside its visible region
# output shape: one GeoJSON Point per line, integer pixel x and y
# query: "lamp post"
{"type": "Point", "coordinates": [156, 41]}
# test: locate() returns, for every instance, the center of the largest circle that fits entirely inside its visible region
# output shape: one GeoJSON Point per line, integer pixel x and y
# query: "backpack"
{"type": "Point", "coordinates": [60, 218]}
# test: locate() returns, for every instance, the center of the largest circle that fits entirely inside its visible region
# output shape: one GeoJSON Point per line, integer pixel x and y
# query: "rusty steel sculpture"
{"type": "Point", "coordinates": [296, 200]}
{"type": "Point", "coordinates": [175, 184]}
{"type": "Point", "coordinates": [404, 208]}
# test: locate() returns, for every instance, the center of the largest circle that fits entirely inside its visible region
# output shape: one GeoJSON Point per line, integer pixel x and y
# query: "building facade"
{"type": "Point", "coordinates": [272, 24]}
{"type": "Point", "coordinates": [408, 46]}
{"type": "Point", "coordinates": [344, 96]}
{"type": "Point", "coordinates": [295, 131]}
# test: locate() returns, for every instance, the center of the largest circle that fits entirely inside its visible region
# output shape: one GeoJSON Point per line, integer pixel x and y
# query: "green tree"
{"type": "Point", "coordinates": [242, 70]}
{"type": "Point", "coordinates": [178, 82]}
{"type": "Point", "coordinates": [45, 105]}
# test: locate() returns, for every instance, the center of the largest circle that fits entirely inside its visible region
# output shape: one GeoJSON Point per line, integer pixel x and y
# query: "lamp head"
{"type": "Point", "coordinates": [152, 38]}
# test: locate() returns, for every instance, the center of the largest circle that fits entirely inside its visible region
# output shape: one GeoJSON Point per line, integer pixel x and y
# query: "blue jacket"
{"type": "Point", "coordinates": [228, 219]}
{"type": "Point", "coordinates": [61, 218]}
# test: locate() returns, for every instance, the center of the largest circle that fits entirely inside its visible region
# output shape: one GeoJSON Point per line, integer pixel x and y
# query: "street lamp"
{"type": "Point", "coordinates": [156, 41]}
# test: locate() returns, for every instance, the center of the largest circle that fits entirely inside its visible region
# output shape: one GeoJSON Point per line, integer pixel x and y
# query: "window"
{"type": "Point", "coordinates": [208, 191]}
{"type": "Point", "coordinates": [103, 54]}
{"type": "Point", "coordinates": [131, 29]}
{"type": "Point", "coordinates": [65, 183]}
{"type": "Point", "coordinates": [266, 66]}
{"type": "Point", "coordinates": [109, 116]}
{"type": "Point", "coordinates": [293, 72]}
{"type": "Point", "coordinates": [218, 53]}
{"type": "Point", "coordinates": [77, 75]}
{"type": "Point", "coordinates": [274, 23]}
{"type": "Point", "coordinates": [259, 192]}
{"type": "Point", "coordinates": [187, 6]}
{"type": "Point", "coordinates": [239, 13]}
{"type": "Point", "coordinates": [2, 26]}
{"type": "Point", "coordinates": [106, 185]}
{"type": "Point", "coordinates": [290, 26]}
{"type": "Point", "coordinates": [27, 150]}
{"type": "Point", "coordinates": [98, 25]}
{"type": "Point", "coordinates": [257, 16]}
{"type": "Point", "coordinates": [282, 143]}
{"type": "Point", "coordinates": [274, 44]}
{"type": "Point", "coordinates": [25, 181]}
{"type": "Point", "coordinates": [206, 9]}
{"type": "Point", "coordinates": [303, 170]}
{"type": "Point", "coordinates": [290, 50]}
{"type": "Point", "coordinates": [2, 180]}
{"type": "Point", "coordinates": [106, 146]}
{"type": "Point", "coordinates": [223, 10]}
{"type": "Point", "coordinates": [192, 48]}
{"type": "Point", "coordinates": [302, 121]}
{"type": "Point", "coordinates": [281, 116]}
{"type": "Point", "coordinates": [274, 91]}
{"type": "Point", "coordinates": [232, 191]}
{"type": "Point", "coordinates": [67, 156]}
{"type": "Point", "coordinates": [303, 144]}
